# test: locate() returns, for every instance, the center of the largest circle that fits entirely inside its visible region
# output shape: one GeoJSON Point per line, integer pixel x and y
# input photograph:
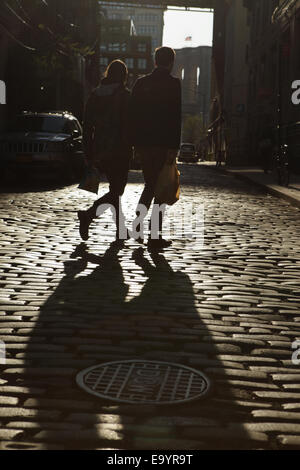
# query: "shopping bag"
{"type": "Point", "coordinates": [90, 181]}
{"type": "Point", "coordinates": [167, 188]}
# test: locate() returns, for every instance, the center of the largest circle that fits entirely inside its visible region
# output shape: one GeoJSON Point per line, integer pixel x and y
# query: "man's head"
{"type": "Point", "coordinates": [165, 57]}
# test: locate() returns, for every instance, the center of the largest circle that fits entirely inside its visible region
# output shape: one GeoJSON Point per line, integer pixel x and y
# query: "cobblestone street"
{"type": "Point", "coordinates": [230, 309]}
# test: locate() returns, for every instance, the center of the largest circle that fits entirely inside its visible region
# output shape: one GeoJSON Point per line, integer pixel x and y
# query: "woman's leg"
{"type": "Point", "coordinates": [86, 217]}
{"type": "Point", "coordinates": [117, 177]}
{"type": "Point", "coordinates": [93, 211]}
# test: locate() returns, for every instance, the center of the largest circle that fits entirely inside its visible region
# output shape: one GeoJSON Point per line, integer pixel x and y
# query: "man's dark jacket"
{"type": "Point", "coordinates": [156, 110]}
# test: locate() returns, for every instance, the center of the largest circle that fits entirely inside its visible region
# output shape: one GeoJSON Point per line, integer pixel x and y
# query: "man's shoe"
{"type": "Point", "coordinates": [84, 224]}
{"type": "Point", "coordinates": [159, 244]}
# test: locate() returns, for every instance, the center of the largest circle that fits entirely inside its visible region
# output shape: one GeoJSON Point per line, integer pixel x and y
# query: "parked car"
{"type": "Point", "coordinates": [42, 144]}
{"type": "Point", "coordinates": [187, 153]}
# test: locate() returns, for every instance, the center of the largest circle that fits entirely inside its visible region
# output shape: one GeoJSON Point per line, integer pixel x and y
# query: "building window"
{"type": "Point", "coordinates": [114, 16]}
{"type": "Point", "coordinates": [147, 17]}
{"type": "Point", "coordinates": [103, 61]}
{"type": "Point", "coordinates": [142, 64]}
{"type": "Point", "coordinates": [182, 74]}
{"type": "Point", "coordinates": [155, 43]}
{"type": "Point", "coordinates": [141, 29]}
{"type": "Point", "coordinates": [141, 47]}
{"type": "Point", "coordinates": [114, 46]}
{"type": "Point", "coordinates": [147, 29]}
{"type": "Point", "coordinates": [129, 62]}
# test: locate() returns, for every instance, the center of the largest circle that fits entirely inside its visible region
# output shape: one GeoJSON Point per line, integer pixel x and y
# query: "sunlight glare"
{"type": "Point", "coordinates": [180, 25]}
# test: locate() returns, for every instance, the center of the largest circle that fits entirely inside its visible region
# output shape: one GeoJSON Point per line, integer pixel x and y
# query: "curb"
{"type": "Point", "coordinates": [273, 191]}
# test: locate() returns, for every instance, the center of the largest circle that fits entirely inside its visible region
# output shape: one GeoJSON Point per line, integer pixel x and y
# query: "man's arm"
{"type": "Point", "coordinates": [134, 110]}
{"type": "Point", "coordinates": [177, 116]}
{"type": "Point", "coordinates": [126, 133]}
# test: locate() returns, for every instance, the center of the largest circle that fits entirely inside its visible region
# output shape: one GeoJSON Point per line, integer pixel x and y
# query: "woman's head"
{"type": "Point", "coordinates": [116, 72]}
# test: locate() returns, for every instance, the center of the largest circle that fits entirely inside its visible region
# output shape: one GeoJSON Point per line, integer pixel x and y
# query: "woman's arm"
{"type": "Point", "coordinates": [126, 130]}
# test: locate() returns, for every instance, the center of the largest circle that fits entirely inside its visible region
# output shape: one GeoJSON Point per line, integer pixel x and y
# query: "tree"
{"type": "Point", "coordinates": [41, 27]}
{"type": "Point", "coordinates": [49, 40]}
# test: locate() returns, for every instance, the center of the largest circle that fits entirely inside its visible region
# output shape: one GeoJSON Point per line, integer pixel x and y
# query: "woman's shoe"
{"type": "Point", "coordinates": [84, 224]}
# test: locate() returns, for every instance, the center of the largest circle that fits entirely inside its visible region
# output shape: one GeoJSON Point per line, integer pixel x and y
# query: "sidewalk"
{"type": "Point", "coordinates": [257, 176]}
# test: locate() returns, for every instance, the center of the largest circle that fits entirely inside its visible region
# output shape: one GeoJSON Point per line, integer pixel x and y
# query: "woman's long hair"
{"type": "Point", "coordinates": [116, 72]}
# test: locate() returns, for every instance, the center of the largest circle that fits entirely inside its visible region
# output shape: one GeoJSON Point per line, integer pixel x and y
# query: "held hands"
{"type": "Point", "coordinates": [171, 156]}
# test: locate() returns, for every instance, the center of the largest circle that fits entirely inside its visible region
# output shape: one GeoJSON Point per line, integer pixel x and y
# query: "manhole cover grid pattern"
{"type": "Point", "coordinates": [145, 382]}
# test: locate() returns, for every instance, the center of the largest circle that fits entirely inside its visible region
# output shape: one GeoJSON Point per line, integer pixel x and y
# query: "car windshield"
{"type": "Point", "coordinates": [52, 124]}
{"type": "Point", "coordinates": [189, 148]}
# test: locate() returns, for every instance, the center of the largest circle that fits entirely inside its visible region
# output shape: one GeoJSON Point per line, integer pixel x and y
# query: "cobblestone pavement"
{"type": "Point", "coordinates": [230, 309]}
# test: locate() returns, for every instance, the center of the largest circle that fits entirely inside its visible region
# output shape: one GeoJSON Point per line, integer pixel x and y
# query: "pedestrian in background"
{"type": "Point", "coordinates": [266, 149]}
{"type": "Point", "coordinates": [156, 128]}
{"type": "Point", "coordinates": [107, 143]}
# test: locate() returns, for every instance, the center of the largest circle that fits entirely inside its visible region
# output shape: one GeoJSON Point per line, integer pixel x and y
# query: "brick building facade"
{"type": "Point", "coordinates": [255, 61]}
{"type": "Point", "coordinates": [119, 41]}
{"type": "Point", "coordinates": [148, 19]}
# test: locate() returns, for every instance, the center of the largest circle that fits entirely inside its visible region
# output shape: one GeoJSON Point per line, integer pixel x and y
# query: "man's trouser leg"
{"type": "Point", "coordinates": [155, 225]}
{"type": "Point", "coordinates": [152, 160]}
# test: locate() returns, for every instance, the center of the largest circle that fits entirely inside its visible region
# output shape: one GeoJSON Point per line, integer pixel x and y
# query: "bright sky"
{"type": "Point", "coordinates": [181, 24]}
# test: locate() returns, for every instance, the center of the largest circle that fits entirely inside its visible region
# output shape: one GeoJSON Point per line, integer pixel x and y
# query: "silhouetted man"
{"type": "Point", "coordinates": [156, 119]}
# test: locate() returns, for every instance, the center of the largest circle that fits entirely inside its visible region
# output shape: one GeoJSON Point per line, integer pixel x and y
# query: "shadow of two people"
{"type": "Point", "coordinates": [91, 319]}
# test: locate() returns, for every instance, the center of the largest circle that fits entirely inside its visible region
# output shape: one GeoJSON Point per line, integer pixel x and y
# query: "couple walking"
{"type": "Point", "coordinates": [149, 119]}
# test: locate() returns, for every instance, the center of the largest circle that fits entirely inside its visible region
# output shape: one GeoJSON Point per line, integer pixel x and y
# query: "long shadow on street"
{"type": "Point", "coordinates": [126, 303]}
{"type": "Point", "coordinates": [91, 318]}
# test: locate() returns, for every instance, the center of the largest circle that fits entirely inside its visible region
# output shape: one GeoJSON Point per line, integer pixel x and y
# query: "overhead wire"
{"type": "Point", "coordinates": [8, 33]}
{"type": "Point", "coordinates": [63, 47]}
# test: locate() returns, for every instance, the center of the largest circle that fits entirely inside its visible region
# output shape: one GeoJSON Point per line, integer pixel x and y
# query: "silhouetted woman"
{"type": "Point", "coordinates": [107, 143]}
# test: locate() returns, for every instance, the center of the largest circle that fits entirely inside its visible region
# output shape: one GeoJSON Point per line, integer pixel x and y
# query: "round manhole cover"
{"type": "Point", "coordinates": [144, 382]}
